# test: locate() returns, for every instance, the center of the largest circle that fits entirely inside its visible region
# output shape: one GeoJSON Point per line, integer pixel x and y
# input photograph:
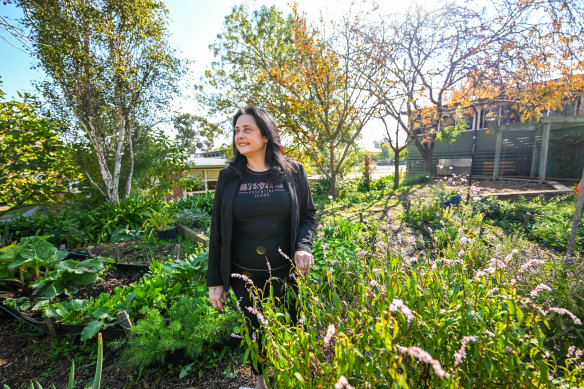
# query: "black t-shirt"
{"type": "Point", "coordinates": [261, 223]}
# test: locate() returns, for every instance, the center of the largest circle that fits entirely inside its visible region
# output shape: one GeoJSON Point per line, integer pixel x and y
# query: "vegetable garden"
{"type": "Point", "coordinates": [406, 292]}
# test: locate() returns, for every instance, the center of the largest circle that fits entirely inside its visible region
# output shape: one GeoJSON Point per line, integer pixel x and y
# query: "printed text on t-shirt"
{"type": "Point", "coordinates": [259, 189]}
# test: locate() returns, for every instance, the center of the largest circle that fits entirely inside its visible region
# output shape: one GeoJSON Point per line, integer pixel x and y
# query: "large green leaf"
{"type": "Point", "coordinates": [101, 313]}
{"type": "Point", "coordinates": [10, 254]}
{"type": "Point", "coordinates": [91, 329]}
{"type": "Point", "coordinates": [36, 252]}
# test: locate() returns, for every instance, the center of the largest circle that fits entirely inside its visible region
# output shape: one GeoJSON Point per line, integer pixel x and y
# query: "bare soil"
{"type": "Point", "coordinates": [489, 187]}
{"type": "Point", "coordinates": [28, 354]}
{"type": "Point", "coordinates": [133, 253]}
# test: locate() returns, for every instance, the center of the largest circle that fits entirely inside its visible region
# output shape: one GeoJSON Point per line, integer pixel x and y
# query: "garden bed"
{"type": "Point", "coordinates": [106, 283]}
{"type": "Point", "coordinates": [28, 354]}
{"type": "Point", "coordinates": [514, 189]}
{"type": "Point", "coordinates": [346, 248]}
{"type": "Point", "coordinates": [135, 252]}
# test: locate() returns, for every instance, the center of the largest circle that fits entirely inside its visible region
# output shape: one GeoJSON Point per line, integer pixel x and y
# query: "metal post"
{"type": "Point", "coordinates": [497, 154]}
{"type": "Point", "coordinates": [544, 151]}
{"type": "Point", "coordinates": [575, 222]}
{"type": "Point", "coordinates": [534, 155]}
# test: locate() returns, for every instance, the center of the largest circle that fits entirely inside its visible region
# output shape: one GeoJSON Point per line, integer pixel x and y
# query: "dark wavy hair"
{"type": "Point", "coordinates": [281, 166]}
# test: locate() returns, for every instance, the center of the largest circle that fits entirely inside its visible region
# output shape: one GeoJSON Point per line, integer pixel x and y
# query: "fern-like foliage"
{"type": "Point", "coordinates": [190, 324]}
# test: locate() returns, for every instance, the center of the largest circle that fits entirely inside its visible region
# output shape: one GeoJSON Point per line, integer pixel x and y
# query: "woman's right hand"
{"type": "Point", "coordinates": [217, 295]}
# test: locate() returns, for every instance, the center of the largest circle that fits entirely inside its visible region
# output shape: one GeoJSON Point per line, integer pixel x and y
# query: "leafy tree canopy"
{"type": "Point", "coordinates": [110, 70]}
{"type": "Point", "coordinates": [35, 165]}
{"type": "Point", "coordinates": [305, 78]}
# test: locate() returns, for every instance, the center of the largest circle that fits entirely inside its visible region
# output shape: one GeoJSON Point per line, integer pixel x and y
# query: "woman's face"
{"type": "Point", "coordinates": [248, 137]}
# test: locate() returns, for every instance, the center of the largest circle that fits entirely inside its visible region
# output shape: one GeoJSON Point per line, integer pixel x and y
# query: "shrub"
{"type": "Point", "coordinates": [191, 324]}
{"type": "Point", "coordinates": [550, 223]}
{"type": "Point", "coordinates": [194, 218]}
{"type": "Point", "coordinates": [130, 213]}
{"type": "Point", "coordinates": [382, 183]}
{"type": "Point", "coordinates": [203, 201]}
{"type": "Point", "coordinates": [64, 224]}
{"type": "Point", "coordinates": [414, 180]}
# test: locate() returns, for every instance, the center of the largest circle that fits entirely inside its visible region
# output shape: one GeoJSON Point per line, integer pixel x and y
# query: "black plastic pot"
{"type": "Point", "coordinates": [167, 234]}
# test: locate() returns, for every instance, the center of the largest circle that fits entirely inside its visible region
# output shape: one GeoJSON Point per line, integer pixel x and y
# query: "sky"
{"type": "Point", "coordinates": [193, 25]}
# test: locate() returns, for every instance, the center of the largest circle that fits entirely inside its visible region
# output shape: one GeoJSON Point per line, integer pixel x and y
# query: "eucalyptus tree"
{"type": "Point", "coordinates": [109, 69]}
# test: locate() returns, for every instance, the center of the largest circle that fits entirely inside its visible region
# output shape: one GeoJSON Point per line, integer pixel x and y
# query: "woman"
{"type": "Point", "coordinates": [262, 204]}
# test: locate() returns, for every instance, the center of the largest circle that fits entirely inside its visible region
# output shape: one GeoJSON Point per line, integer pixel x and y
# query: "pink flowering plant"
{"type": "Point", "coordinates": [379, 319]}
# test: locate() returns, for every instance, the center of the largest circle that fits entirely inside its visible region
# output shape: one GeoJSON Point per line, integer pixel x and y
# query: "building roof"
{"type": "Point", "coordinates": [200, 163]}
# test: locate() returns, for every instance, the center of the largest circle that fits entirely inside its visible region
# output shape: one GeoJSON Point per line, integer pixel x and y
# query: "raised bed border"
{"type": "Point", "coordinates": [189, 233]}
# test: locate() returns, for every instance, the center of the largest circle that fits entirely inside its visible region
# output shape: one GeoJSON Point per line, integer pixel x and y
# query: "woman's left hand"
{"type": "Point", "coordinates": [304, 261]}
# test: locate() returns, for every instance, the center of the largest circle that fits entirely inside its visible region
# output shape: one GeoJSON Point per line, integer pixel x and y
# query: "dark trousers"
{"type": "Point", "coordinates": [279, 283]}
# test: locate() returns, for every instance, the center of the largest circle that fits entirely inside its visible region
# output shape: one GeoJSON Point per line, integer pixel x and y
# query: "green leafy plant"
{"type": "Point", "coordinates": [203, 201]}
{"type": "Point", "coordinates": [125, 233]}
{"type": "Point", "coordinates": [155, 291]}
{"type": "Point", "coordinates": [160, 220]}
{"type": "Point", "coordinates": [194, 218]}
{"type": "Point", "coordinates": [69, 312]}
{"type": "Point", "coordinates": [68, 274]}
{"type": "Point", "coordinates": [190, 324]}
{"type": "Point", "coordinates": [192, 269]}
{"type": "Point", "coordinates": [65, 224]}
{"type": "Point", "coordinates": [6, 236]}
{"type": "Point", "coordinates": [130, 213]}
{"type": "Point", "coordinates": [549, 224]}
{"type": "Point", "coordinates": [32, 252]}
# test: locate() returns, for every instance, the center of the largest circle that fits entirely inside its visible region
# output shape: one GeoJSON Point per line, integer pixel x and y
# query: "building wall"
{"type": "Point", "coordinates": [565, 153]}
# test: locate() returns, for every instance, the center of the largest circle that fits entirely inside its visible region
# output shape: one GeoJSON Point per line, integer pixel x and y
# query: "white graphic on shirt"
{"type": "Point", "coordinates": [259, 189]}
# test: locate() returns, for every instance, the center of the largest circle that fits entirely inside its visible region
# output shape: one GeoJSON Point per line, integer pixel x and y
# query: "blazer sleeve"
{"type": "Point", "coordinates": [307, 210]}
{"type": "Point", "coordinates": [213, 269]}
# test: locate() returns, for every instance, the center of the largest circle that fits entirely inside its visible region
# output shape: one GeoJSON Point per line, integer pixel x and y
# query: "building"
{"type": "Point", "coordinates": [207, 169]}
{"type": "Point", "coordinates": [207, 172]}
{"type": "Point", "coordinates": [210, 154]}
{"type": "Point", "coordinates": [552, 147]}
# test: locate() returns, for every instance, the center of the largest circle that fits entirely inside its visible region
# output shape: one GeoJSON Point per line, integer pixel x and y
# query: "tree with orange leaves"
{"type": "Point", "coordinates": [307, 80]}
{"type": "Point", "coordinates": [424, 55]}
{"type": "Point", "coordinates": [542, 66]}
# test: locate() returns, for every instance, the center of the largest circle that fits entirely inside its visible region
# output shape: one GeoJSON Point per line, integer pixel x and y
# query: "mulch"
{"type": "Point", "coordinates": [27, 353]}
{"type": "Point", "coordinates": [509, 186]}
{"type": "Point", "coordinates": [131, 253]}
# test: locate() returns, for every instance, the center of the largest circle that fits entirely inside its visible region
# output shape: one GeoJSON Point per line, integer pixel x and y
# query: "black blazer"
{"type": "Point", "coordinates": [302, 213]}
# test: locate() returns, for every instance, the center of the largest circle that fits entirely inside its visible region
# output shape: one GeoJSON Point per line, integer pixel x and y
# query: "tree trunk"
{"type": "Point", "coordinates": [427, 155]}
{"type": "Point", "coordinates": [396, 173]}
{"type": "Point", "coordinates": [132, 160]}
{"type": "Point", "coordinates": [334, 184]}
{"type": "Point", "coordinates": [575, 222]}
{"type": "Point", "coordinates": [333, 171]}
{"type": "Point", "coordinates": [93, 136]}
